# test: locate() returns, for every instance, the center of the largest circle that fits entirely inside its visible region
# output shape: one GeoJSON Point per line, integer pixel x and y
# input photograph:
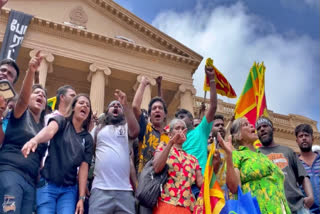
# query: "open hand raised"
{"type": "Point", "coordinates": [226, 145]}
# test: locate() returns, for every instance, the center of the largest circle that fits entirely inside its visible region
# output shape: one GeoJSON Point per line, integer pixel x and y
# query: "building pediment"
{"type": "Point", "coordinates": [106, 18]}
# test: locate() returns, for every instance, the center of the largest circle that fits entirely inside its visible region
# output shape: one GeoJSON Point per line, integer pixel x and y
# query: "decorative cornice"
{"type": "Point", "coordinates": [112, 8]}
{"type": "Point", "coordinates": [73, 33]}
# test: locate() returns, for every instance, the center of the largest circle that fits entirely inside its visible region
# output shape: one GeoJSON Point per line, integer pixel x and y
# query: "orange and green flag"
{"type": "Point", "coordinates": [211, 198]}
{"type": "Point", "coordinates": [223, 87]}
{"type": "Point", "coordinates": [52, 102]}
{"type": "Point", "coordinates": [252, 102]}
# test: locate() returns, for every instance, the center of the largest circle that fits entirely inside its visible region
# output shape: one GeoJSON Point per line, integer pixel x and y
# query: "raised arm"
{"type": "Point", "coordinates": [160, 157]}
{"type": "Point", "coordinates": [233, 174]}
{"type": "Point", "coordinates": [159, 85]}
{"type": "Point", "coordinates": [26, 89]}
{"type": "Point", "coordinates": [133, 125]}
{"type": "Point", "coordinates": [43, 136]}
{"type": "Point", "coordinates": [137, 100]}
{"type": "Point", "coordinates": [213, 94]}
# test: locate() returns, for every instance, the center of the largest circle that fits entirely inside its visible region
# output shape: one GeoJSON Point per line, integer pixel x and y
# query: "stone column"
{"type": "Point", "coordinates": [147, 92]}
{"type": "Point", "coordinates": [186, 97]}
{"type": "Point", "coordinates": [99, 79]}
{"type": "Point", "coordinates": [45, 65]}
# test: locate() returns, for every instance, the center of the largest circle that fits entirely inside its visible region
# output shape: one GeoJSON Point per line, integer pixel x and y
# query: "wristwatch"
{"type": "Point", "coordinates": [83, 198]}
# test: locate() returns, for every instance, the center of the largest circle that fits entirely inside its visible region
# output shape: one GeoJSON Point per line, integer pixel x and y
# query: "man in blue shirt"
{"type": "Point", "coordinates": [310, 160]}
{"type": "Point", "coordinates": [197, 138]}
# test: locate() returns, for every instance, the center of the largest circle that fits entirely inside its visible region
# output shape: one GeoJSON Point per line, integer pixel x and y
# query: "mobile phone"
{"type": "Point", "coordinates": [6, 89]}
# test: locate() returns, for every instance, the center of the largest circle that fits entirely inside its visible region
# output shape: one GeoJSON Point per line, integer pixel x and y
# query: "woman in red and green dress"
{"type": "Point", "coordinates": [184, 170]}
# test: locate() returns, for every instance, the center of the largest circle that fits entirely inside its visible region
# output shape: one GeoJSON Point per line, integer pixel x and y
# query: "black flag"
{"type": "Point", "coordinates": [18, 23]}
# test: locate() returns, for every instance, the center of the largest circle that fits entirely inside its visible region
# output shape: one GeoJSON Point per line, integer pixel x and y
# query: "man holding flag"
{"type": "Point", "coordinates": [211, 198]}
{"type": "Point", "coordinates": [196, 142]}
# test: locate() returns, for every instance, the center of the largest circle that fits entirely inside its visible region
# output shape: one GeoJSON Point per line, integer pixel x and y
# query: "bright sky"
{"type": "Point", "coordinates": [282, 33]}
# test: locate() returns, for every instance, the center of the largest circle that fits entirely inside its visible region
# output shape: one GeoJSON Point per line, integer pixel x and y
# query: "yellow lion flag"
{"type": "Point", "coordinates": [223, 87]}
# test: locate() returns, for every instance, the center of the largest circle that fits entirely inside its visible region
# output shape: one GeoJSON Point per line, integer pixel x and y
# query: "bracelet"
{"type": "Point", "coordinates": [212, 80]}
{"type": "Point", "coordinates": [83, 198]}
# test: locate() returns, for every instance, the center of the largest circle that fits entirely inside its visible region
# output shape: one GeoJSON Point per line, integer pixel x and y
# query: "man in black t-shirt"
{"type": "Point", "coordinates": [286, 159]}
{"type": "Point", "coordinates": [9, 70]}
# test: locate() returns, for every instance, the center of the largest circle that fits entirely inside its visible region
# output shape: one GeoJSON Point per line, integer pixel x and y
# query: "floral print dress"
{"type": "Point", "coordinates": [263, 179]}
{"type": "Point", "coordinates": [181, 176]}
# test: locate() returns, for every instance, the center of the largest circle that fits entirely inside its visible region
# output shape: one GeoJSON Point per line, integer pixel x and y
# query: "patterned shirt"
{"type": "Point", "coordinates": [181, 175]}
{"type": "Point", "coordinates": [263, 179]}
{"type": "Point", "coordinates": [314, 174]}
{"type": "Point", "coordinates": [149, 139]}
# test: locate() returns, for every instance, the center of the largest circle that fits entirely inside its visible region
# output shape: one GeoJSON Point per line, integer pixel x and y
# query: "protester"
{"type": "Point", "coordinates": [9, 70]}
{"type": "Point", "coordinates": [64, 96]}
{"type": "Point", "coordinates": [196, 143]}
{"type": "Point", "coordinates": [252, 170]}
{"type": "Point", "coordinates": [184, 170]}
{"type": "Point", "coordinates": [111, 189]}
{"type": "Point", "coordinates": [286, 159]}
{"type": "Point", "coordinates": [151, 133]}
{"type": "Point", "coordinates": [18, 174]}
{"type": "Point", "coordinates": [71, 146]}
{"type": "Point", "coordinates": [219, 161]}
{"type": "Point", "coordinates": [310, 161]}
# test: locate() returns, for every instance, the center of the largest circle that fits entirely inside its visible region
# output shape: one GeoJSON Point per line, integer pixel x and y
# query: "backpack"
{"type": "Point", "coordinates": [150, 184]}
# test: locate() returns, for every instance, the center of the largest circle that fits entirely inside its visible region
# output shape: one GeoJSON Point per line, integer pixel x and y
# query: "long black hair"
{"type": "Point", "coordinates": [70, 111]}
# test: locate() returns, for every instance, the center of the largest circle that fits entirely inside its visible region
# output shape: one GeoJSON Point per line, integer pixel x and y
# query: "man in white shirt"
{"type": "Point", "coordinates": [111, 189]}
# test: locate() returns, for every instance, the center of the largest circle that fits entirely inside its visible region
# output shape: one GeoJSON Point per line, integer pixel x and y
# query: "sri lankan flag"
{"type": "Point", "coordinates": [252, 102]}
{"type": "Point", "coordinates": [52, 102]}
{"type": "Point", "coordinates": [223, 87]}
{"type": "Point", "coordinates": [211, 198]}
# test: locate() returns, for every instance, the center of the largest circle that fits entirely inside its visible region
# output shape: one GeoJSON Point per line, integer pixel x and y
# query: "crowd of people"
{"type": "Point", "coordinates": [69, 161]}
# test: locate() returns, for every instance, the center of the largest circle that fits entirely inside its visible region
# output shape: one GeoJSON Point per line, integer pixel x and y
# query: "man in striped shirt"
{"type": "Point", "coordinates": [310, 160]}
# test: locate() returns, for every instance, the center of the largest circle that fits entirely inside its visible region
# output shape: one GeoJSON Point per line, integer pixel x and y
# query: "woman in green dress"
{"type": "Point", "coordinates": [252, 170]}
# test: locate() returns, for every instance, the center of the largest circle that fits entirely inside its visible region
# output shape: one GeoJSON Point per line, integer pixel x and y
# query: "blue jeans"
{"type": "Point", "coordinates": [53, 199]}
{"type": "Point", "coordinates": [16, 194]}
